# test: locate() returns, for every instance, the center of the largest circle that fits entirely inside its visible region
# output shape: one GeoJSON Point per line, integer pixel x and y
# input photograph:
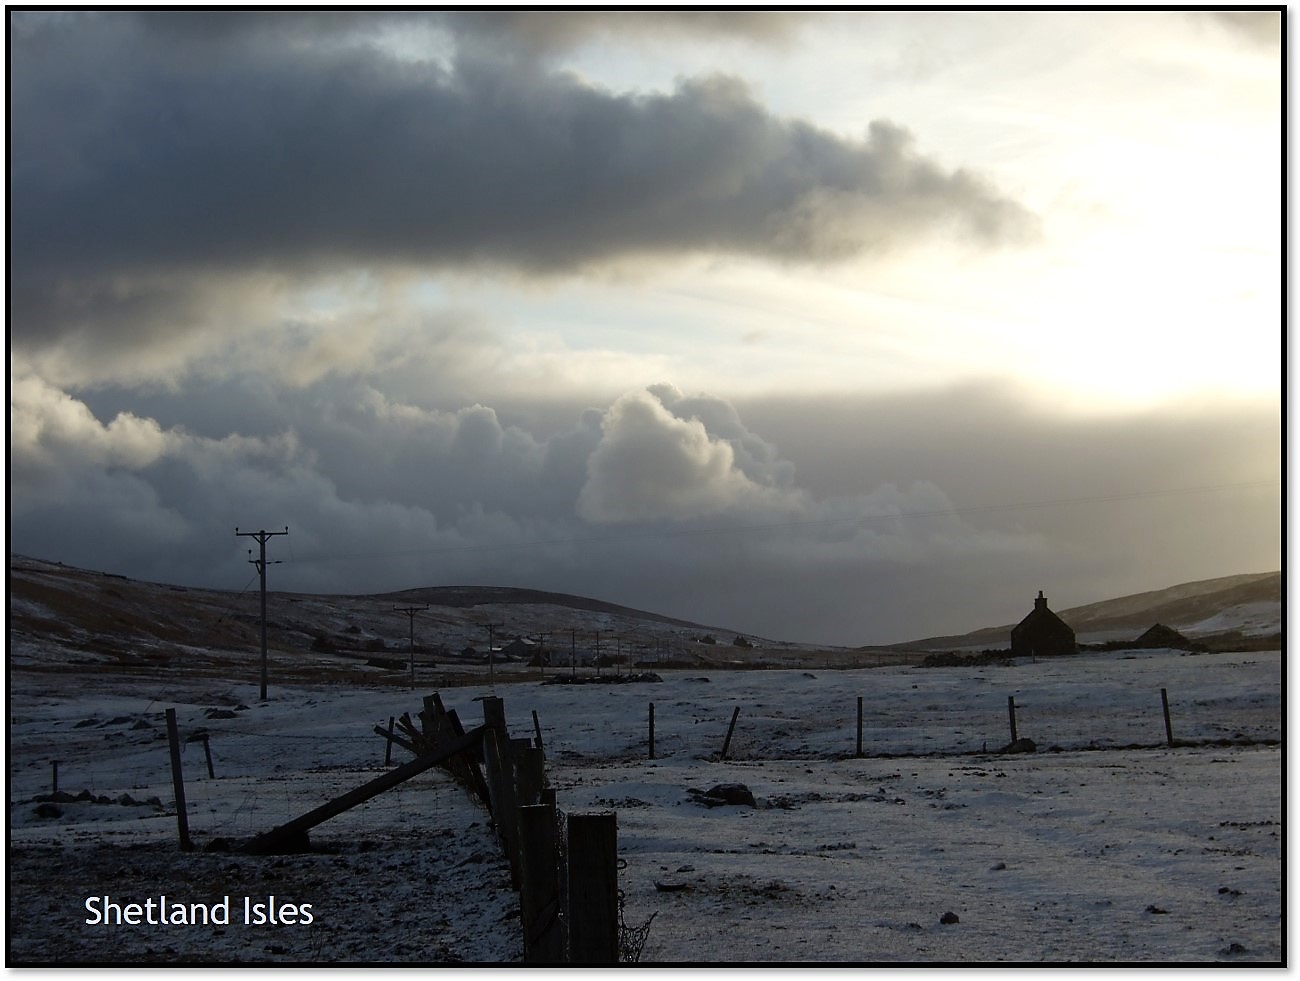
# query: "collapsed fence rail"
{"type": "Point", "coordinates": [292, 836]}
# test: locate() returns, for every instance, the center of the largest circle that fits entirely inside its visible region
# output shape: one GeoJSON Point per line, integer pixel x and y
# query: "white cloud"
{"type": "Point", "coordinates": [652, 465]}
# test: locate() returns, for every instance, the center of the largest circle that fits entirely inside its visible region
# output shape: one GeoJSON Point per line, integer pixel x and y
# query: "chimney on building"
{"type": "Point", "coordinates": [1040, 603]}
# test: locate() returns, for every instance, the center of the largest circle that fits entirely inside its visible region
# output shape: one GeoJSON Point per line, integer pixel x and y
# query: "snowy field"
{"type": "Point", "coordinates": [1104, 846]}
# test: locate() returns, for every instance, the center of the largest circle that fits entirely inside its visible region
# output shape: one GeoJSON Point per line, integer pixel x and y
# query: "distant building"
{"type": "Point", "coordinates": [1042, 633]}
{"type": "Point", "coordinates": [520, 647]}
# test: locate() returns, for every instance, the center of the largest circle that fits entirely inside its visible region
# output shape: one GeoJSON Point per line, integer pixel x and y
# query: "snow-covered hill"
{"type": "Point", "coordinates": [1213, 611]}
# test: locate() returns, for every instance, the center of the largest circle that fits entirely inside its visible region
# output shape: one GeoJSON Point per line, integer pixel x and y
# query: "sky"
{"type": "Point", "coordinates": [835, 327]}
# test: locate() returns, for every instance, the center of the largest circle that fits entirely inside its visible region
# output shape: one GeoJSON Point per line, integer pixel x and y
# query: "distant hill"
{"type": "Point", "coordinates": [1245, 605]}
{"type": "Point", "coordinates": [63, 619]}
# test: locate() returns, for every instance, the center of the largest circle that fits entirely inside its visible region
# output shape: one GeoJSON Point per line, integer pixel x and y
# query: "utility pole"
{"type": "Point", "coordinates": [492, 657]}
{"type": "Point", "coordinates": [260, 562]}
{"type": "Point", "coordinates": [541, 653]}
{"type": "Point", "coordinates": [410, 612]}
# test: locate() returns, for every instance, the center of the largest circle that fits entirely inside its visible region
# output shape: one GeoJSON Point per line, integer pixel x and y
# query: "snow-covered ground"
{"type": "Point", "coordinates": [1105, 846]}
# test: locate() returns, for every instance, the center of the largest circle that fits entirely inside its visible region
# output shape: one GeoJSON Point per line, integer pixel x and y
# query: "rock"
{"type": "Point", "coordinates": [216, 713]}
{"type": "Point", "coordinates": [999, 867]}
{"type": "Point", "coordinates": [48, 810]}
{"type": "Point", "coordinates": [1233, 949]}
{"type": "Point", "coordinates": [724, 793]}
{"type": "Point", "coordinates": [58, 797]}
{"type": "Point", "coordinates": [1156, 910]}
{"type": "Point", "coordinates": [1021, 745]}
{"type": "Point", "coordinates": [949, 918]}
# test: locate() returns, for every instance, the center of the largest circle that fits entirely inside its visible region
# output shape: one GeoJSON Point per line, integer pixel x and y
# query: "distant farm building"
{"type": "Point", "coordinates": [1160, 636]}
{"type": "Point", "coordinates": [521, 648]}
{"type": "Point", "coordinates": [1042, 633]}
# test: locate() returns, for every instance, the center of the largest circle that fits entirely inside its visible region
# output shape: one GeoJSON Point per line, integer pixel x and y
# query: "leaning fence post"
{"type": "Point", "coordinates": [726, 743]}
{"type": "Point", "coordinates": [207, 755]}
{"type": "Point", "coordinates": [537, 729]}
{"type": "Point", "coordinates": [1169, 729]}
{"type": "Point", "coordinates": [178, 782]}
{"type": "Point", "coordinates": [388, 750]}
{"type": "Point", "coordinates": [1011, 710]}
{"type": "Point", "coordinates": [593, 888]}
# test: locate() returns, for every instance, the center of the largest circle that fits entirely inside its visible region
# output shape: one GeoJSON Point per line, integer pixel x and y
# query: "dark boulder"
{"type": "Point", "coordinates": [724, 793]}
{"type": "Point", "coordinates": [1021, 745]}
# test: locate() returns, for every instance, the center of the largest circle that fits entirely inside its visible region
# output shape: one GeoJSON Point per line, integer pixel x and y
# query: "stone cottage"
{"type": "Point", "coordinates": [1042, 633]}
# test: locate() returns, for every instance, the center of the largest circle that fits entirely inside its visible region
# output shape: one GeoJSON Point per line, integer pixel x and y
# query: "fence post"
{"type": "Point", "coordinates": [494, 714]}
{"type": "Point", "coordinates": [593, 888]}
{"type": "Point", "coordinates": [652, 730]}
{"type": "Point", "coordinates": [1169, 729]}
{"type": "Point", "coordinates": [388, 750]}
{"type": "Point", "coordinates": [1011, 710]}
{"type": "Point", "coordinates": [207, 755]}
{"type": "Point", "coordinates": [726, 743]}
{"type": "Point", "coordinates": [537, 729]}
{"type": "Point", "coordinates": [530, 774]}
{"type": "Point", "coordinates": [178, 782]}
{"type": "Point", "coordinates": [501, 785]}
{"type": "Point", "coordinates": [859, 752]}
{"type": "Point", "coordinates": [539, 894]}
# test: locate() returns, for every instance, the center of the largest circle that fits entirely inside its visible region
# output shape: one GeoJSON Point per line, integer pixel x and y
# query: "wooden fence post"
{"type": "Point", "coordinates": [207, 755]}
{"type": "Point", "coordinates": [388, 750]}
{"type": "Point", "coordinates": [537, 729]}
{"type": "Point", "coordinates": [859, 751]}
{"type": "Point", "coordinates": [178, 782]}
{"type": "Point", "coordinates": [652, 730]}
{"type": "Point", "coordinates": [494, 714]}
{"type": "Point", "coordinates": [1169, 729]}
{"type": "Point", "coordinates": [539, 894]}
{"type": "Point", "coordinates": [593, 888]}
{"type": "Point", "coordinates": [530, 774]}
{"type": "Point", "coordinates": [1011, 710]}
{"type": "Point", "coordinates": [726, 743]}
{"type": "Point", "coordinates": [499, 764]}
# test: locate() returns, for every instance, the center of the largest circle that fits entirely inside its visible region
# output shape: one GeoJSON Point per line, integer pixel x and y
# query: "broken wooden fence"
{"type": "Point", "coordinates": [569, 899]}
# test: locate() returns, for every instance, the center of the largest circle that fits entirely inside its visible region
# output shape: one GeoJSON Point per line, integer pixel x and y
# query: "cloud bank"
{"type": "Point", "coordinates": [239, 250]}
{"type": "Point", "coordinates": [155, 163]}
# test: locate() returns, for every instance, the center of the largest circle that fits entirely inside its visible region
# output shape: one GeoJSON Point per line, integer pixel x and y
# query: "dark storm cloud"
{"type": "Point", "coordinates": [134, 159]}
{"type": "Point", "coordinates": [869, 519]}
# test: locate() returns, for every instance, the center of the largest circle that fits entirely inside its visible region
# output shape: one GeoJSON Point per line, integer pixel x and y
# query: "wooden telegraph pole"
{"type": "Point", "coordinates": [410, 612]}
{"type": "Point", "coordinates": [260, 562]}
